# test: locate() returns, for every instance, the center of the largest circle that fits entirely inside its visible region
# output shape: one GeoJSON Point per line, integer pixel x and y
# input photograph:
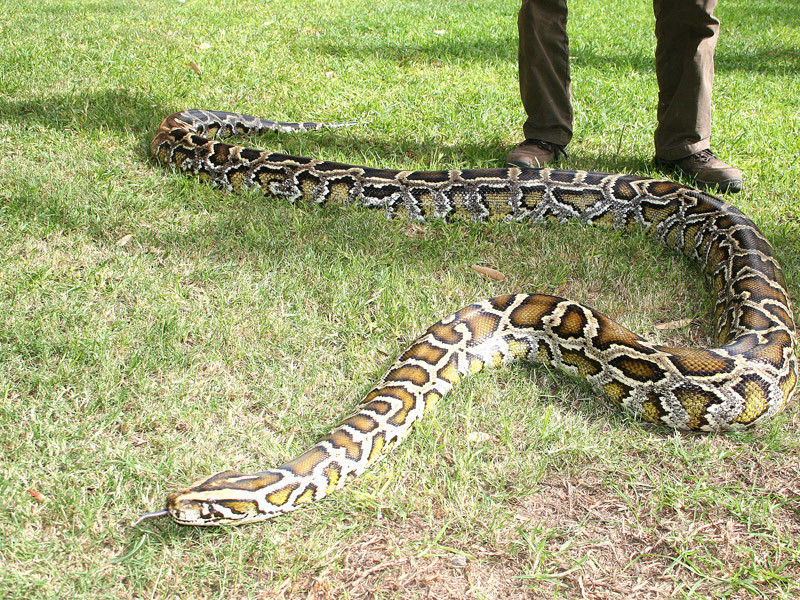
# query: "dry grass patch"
{"type": "Point", "coordinates": [625, 543]}
{"type": "Point", "coordinates": [397, 560]}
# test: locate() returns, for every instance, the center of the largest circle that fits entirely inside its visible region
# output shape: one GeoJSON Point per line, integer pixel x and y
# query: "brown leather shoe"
{"type": "Point", "coordinates": [534, 153]}
{"type": "Point", "coordinates": [708, 171]}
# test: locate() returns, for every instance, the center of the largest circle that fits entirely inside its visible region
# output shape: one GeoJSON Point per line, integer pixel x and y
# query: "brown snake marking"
{"type": "Point", "coordinates": [745, 381]}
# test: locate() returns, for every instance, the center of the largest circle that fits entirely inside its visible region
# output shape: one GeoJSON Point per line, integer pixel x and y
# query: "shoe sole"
{"type": "Point", "coordinates": [726, 186]}
{"type": "Point", "coordinates": [524, 165]}
{"type": "Point", "coordinates": [729, 186]}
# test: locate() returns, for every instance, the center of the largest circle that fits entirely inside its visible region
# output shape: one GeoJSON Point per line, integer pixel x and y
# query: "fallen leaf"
{"type": "Point", "coordinates": [203, 46]}
{"type": "Point", "coordinates": [478, 436]}
{"type": "Point", "coordinates": [674, 324]}
{"type": "Point", "coordinates": [458, 561]}
{"type": "Point", "coordinates": [37, 496]}
{"type": "Point", "coordinates": [124, 239]}
{"type": "Point", "coordinates": [414, 230]}
{"type": "Point", "coordinates": [489, 272]}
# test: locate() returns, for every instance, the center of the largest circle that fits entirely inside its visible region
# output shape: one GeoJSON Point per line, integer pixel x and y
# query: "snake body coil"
{"type": "Point", "coordinates": [746, 380]}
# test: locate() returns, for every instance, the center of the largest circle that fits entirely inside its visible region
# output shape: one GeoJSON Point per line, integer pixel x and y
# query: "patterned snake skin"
{"type": "Point", "coordinates": [745, 381]}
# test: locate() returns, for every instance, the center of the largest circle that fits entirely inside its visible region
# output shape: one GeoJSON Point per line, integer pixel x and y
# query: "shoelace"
{"type": "Point", "coordinates": [703, 156]}
{"type": "Point", "coordinates": [556, 149]}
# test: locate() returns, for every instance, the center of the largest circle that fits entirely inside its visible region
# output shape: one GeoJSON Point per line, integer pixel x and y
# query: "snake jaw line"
{"type": "Point", "coordinates": [744, 382]}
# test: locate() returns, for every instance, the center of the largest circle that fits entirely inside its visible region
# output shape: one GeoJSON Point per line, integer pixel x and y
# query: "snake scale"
{"type": "Point", "coordinates": [746, 380]}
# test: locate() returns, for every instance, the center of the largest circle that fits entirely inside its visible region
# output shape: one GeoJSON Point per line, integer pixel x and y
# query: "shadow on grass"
{"type": "Point", "coordinates": [776, 60]}
{"type": "Point", "coordinates": [780, 56]}
{"type": "Point", "coordinates": [116, 110]}
{"type": "Point", "coordinates": [125, 112]}
{"type": "Point", "coordinates": [467, 51]}
{"type": "Point", "coordinates": [785, 238]}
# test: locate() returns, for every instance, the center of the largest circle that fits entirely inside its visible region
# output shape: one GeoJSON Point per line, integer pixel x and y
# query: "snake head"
{"type": "Point", "coordinates": [226, 498]}
{"type": "Point", "coordinates": [186, 508]}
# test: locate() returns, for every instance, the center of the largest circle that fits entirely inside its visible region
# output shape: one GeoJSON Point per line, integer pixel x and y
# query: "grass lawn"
{"type": "Point", "coordinates": [156, 330]}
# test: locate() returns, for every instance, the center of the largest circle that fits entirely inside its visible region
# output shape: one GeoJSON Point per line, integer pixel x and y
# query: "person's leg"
{"type": "Point", "coordinates": [544, 81]}
{"type": "Point", "coordinates": [686, 36]}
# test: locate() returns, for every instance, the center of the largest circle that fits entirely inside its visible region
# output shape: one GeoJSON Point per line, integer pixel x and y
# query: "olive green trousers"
{"type": "Point", "coordinates": [686, 35]}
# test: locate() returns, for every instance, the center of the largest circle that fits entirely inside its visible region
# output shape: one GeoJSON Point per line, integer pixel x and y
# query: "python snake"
{"type": "Point", "coordinates": [746, 380]}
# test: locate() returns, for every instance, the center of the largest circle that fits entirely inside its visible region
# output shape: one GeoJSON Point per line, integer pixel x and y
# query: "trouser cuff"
{"type": "Point", "coordinates": [553, 135]}
{"type": "Point", "coordinates": [682, 151]}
